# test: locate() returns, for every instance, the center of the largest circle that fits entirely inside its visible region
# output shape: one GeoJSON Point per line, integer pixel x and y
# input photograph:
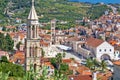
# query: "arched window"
{"type": "Point", "coordinates": [30, 51]}
{"type": "Point", "coordinates": [33, 51]}
{"type": "Point", "coordinates": [36, 51]}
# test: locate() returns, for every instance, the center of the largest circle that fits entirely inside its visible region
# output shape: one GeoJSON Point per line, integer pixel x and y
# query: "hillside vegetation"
{"type": "Point", "coordinates": [49, 9]}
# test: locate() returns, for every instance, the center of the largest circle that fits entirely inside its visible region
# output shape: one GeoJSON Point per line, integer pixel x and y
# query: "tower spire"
{"type": "Point", "coordinates": [33, 2]}
{"type": "Point", "coordinates": [32, 14]}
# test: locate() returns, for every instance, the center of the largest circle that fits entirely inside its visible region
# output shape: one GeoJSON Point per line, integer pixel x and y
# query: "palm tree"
{"type": "Point", "coordinates": [96, 64]}
{"type": "Point", "coordinates": [89, 63]}
{"type": "Point", "coordinates": [103, 65]}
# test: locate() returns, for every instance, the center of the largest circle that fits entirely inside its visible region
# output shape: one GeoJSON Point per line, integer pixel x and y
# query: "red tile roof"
{"type": "Point", "coordinates": [67, 60]}
{"type": "Point", "coordinates": [49, 64]}
{"type": "Point", "coordinates": [94, 42]}
{"type": "Point", "coordinates": [104, 76]}
{"type": "Point", "coordinates": [117, 62]}
{"type": "Point", "coordinates": [18, 56]}
{"type": "Point", "coordinates": [83, 70]}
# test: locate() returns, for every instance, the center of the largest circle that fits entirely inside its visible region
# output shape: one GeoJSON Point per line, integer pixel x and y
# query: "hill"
{"type": "Point", "coordinates": [49, 9]}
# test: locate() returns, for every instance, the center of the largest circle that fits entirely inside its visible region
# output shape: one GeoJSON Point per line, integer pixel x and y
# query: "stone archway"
{"type": "Point", "coordinates": [105, 57]}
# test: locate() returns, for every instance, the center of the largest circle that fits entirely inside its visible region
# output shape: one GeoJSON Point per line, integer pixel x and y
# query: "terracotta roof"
{"type": "Point", "coordinates": [22, 36]}
{"type": "Point", "coordinates": [113, 42]}
{"type": "Point", "coordinates": [117, 62]}
{"type": "Point", "coordinates": [67, 60]}
{"type": "Point", "coordinates": [94, 42]}
{"type": "Point", "coordinates": [83, 70]}
{"type": "Point", "coordinates": [80, 77]}
{"type": "Point", "coordinates": [18, 56]}
{"type": "Point", "coordinates": [49, 64]}
{"type": "Point", "coordinates": [104, 76]}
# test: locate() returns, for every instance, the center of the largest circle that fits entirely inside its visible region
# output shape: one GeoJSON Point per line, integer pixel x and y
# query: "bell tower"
{"type": "Point", "coordinates": [53, 34]}
{"type": "Point", "coordinates": [32, 42]}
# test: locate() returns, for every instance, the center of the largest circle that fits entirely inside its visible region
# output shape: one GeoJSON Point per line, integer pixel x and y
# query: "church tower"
{"type": "Point", "coordinates": [32, 43]}
{"type": "Point", "coordinates": [53, 34]}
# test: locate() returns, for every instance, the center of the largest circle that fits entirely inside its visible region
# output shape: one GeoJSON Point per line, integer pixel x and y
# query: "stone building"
{"type": "Point", "coordinates": [33, 52]}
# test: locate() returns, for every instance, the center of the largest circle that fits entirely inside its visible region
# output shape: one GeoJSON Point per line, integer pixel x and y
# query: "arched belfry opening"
{"type": "Point", "coordinates": [35, 67]}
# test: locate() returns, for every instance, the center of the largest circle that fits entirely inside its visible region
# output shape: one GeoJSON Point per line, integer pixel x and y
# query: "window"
{"type": "Point", "coordinates": [100, 50]}
{"type": "Point", "coordinates": [35, 66]}
{"type": "Point", "coordinates": [105, 50]}
{"type": "Point", "coordinates": [110, 50]}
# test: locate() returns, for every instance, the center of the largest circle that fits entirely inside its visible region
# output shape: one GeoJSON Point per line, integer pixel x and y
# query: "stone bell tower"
{"type": "Point", "coordinates": [53, 34]}
{"type": "Point", "coordinates": [32, 43]}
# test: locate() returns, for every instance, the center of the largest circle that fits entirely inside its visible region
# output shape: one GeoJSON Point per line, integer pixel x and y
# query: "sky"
{"type": "Point", "coordinates": [96, 1]}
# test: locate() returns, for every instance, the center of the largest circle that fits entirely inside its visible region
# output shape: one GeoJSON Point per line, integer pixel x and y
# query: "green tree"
{"type": "Point", "coordinates": [2, 41]}
{"type": "Point", "coordinates": [18, 45]}
{"type": "Point", "coordinates": [64, 69]}
{"type": "Point", "coordinates": [9, 43]}
{"type": "Point", "coordinates": [4, 28]}
{"type": "Point", "coordinates": [53, 61]}
{"type": "Point", "coordinates": [96, 64]}
{"type": "Point", "coordinates": [15, 70]}
{"type": "Point", "coordinates": [103, 65]}
{"type": "Point", "coordinates": [4, 76]}
{"type": "Point", "coordinates": [4, 59]}
{"type": "Point", "coordinates": [59, 60]}
{"type": "Point", "coordinates": [6, 42]}
{"type": "Point", "coordinates": [89, 63]}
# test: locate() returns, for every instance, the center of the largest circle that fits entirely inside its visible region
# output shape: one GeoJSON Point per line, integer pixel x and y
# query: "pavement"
{"type": "Point", "coordinates": [53, 50]}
